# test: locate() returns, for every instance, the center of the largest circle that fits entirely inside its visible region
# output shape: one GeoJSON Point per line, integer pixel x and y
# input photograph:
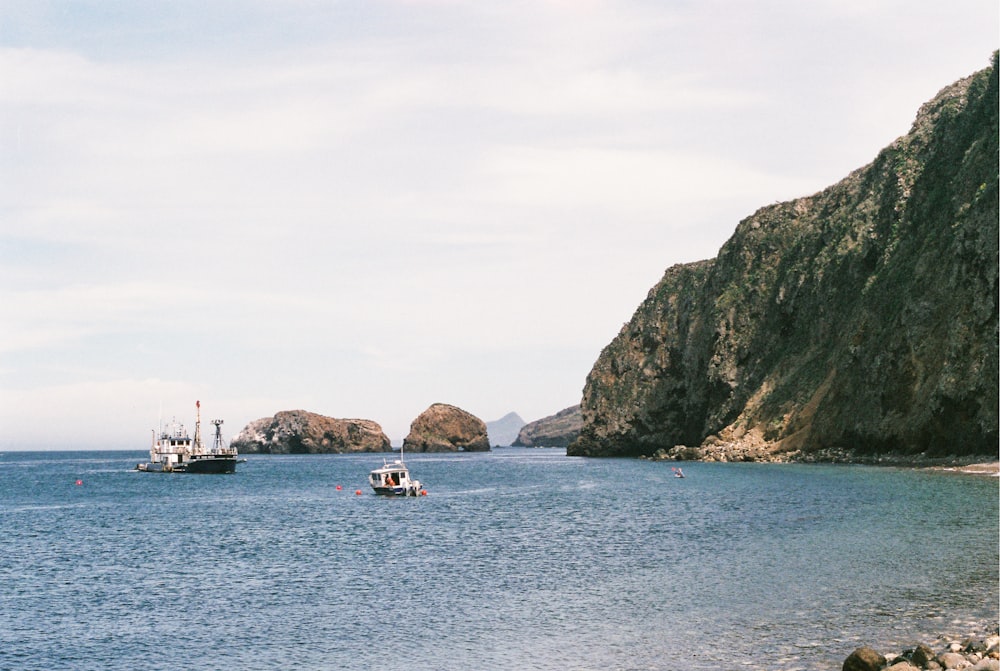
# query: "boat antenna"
{"type": "Point", "coordinates": [197, 426]}
{"type": "Point", "coordinates": [217, 446]}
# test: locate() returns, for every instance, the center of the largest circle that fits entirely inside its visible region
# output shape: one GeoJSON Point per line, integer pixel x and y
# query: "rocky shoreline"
{"type": "Point", "coordinates": [981, 464]}
{"type": "Point", "coordinates": [975, 653]}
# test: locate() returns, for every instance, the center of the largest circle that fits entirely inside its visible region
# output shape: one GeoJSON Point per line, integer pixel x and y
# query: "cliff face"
{"type": "Point", "coordinates": [559, 430]}
{"type": "Point", "coordinates": [445, 428]}
{"type": "Point", "coordinates": [301, 432]}
{"type": "Point", "coordinates": [863, 317]}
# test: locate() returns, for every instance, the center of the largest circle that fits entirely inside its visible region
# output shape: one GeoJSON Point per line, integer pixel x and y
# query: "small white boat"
{"type": "Point", "coordinates": [393, 479]}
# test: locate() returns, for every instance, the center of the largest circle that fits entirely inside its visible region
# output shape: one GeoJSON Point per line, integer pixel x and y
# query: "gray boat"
{"type": "Point", "coordinates": [174, 451]}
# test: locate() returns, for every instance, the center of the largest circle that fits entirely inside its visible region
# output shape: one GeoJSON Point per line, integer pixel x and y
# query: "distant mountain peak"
{"type": "Point", "coordinates": [503, 431]}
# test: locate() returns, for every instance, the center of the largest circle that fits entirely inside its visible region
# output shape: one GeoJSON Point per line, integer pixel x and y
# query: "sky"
{"type": "Point", "coordinates": [361, 208]}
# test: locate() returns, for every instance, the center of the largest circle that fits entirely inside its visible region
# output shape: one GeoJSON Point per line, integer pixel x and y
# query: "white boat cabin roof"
{"type": "Point", "coordinates": [395, 467]}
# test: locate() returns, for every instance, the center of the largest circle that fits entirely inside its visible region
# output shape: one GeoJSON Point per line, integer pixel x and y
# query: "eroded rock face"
{"type": "Point", "coordinates": [302, 432]}
{"type": "Point", "coordinates": [445, 428]}
{"type": "Point", "coordinates": [558, 430]}
{"type": "Point", "coordinates": [862, 317]}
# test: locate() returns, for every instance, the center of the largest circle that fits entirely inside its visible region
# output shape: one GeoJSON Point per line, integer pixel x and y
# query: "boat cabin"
{"type": "Point", "coordinates": [173, 445]}
{"type": "Point", "coordinates": [387, 476]}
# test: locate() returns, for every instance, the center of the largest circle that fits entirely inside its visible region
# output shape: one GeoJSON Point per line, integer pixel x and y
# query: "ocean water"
{"type": "Point", "coordinates": [516, 559]}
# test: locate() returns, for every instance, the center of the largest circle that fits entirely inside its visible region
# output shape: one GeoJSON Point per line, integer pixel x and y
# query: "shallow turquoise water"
{"type": "Point", "coordinates": [517, 559]}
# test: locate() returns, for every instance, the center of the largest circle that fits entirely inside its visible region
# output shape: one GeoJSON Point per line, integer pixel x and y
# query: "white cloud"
{"type": "Point", "coordinates": [635, 184]}
{"type": "Point", "coordinates": [367, 208]}
{"type": "Point", "coordinates": [119, 413]}
{"type": "Point", "coordinates": [90, 413]}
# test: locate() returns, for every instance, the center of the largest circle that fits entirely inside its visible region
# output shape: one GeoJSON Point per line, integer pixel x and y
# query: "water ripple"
{"type": "Point", "coordinates": [517, 559]}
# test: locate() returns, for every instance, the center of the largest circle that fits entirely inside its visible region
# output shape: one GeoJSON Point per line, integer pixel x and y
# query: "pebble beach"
{"type": "Point", "coordinates": [974, 653]}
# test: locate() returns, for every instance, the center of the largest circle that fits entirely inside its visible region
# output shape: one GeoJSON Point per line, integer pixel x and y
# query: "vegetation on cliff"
{"type": "Point", "coordinates": [863, 317]}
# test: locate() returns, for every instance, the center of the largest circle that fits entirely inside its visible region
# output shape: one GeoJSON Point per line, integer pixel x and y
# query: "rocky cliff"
{"type": "Point", "coordinates": [558, 430]}
{"type": "Point", "coordinates": [862, 318]}
{"type": "Point", "coordinates": [301, 432]}
{"type": "Point", "coordinates": [445, 428]}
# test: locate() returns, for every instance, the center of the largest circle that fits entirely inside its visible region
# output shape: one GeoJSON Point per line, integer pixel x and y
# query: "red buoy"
{"type": "Point", "coordinates": [79, 482]}
{"type": "Point", "coordinates": [358, 492]}
{"type": "Point", "coordinates": [423, 492]}
{"type": "Point", "coordinates": [339, 488]}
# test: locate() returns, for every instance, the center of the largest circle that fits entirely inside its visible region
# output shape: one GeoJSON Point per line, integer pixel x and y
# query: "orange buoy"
{"type": "Point", "coordinates": [358, 492]}
{"type": "Point", "coordinates": [423, 492]}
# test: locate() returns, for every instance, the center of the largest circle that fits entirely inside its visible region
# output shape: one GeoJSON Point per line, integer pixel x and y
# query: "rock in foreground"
{"type": "Point", "coordinates": [864, 659]}
{"type": "Point", "coordinates": [445, 428]}
{"type": "Point", "coordinates": [302, 432]}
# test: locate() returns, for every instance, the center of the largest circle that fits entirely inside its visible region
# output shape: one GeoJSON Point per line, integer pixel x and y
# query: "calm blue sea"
{"type": "Point", "coordinates": [516, 559]}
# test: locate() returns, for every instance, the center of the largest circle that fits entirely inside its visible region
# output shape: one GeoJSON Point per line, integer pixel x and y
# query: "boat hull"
{"type": "Point", "coordinates": [198, 466]}
{"type": "Point", "coordinates": [396, 491]}
{"type": "Point", "coordinates": [211, 466]}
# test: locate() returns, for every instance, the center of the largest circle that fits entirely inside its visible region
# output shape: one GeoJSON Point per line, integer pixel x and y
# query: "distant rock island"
{"type": "Point", "coordinates": [559, 430]}
{"type": "Point", "coordinates": [860, 320]}
{"type": "Point", "coordinates": [446, 428]}
{"type": "Point", "coordinates": [301, 432]}
{"type": "Point", "coordinates": [503, 431]}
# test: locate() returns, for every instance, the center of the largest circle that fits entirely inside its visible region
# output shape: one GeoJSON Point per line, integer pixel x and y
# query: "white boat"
{"type": "Point", "coordinates": [393, 479]}
{"type": "Point", "coordinates": [173, 450]}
